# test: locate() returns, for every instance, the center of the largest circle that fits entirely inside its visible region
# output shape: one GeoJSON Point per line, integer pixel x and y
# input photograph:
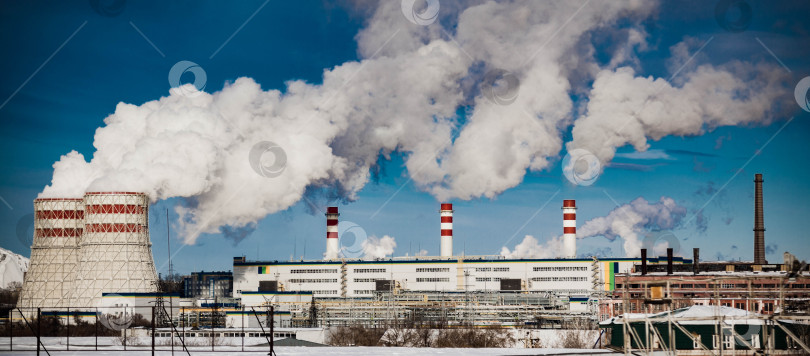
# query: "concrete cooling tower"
{"type": "Point", "coordinates": [58, 225]}
{"type": "Point", "coordinates": [85, 247]}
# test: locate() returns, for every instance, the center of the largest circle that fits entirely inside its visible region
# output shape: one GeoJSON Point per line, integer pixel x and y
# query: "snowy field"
{"type": "Point", "coordinates": [110, 346]}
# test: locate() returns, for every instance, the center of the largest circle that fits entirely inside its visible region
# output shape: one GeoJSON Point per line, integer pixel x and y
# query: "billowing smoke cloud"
{"type": "Point", "coordinates": [626, 109]}
{"type": "Point", "coordinates": [630, 220]}
{"type": "Point", "coordinates": [374, 247]}
{"type": "Point", "coordinates": [531, 248]}
{"type": "Point", "coordinates": [627, 222]}
{"type": "Point", "coordinates": [403, 96]}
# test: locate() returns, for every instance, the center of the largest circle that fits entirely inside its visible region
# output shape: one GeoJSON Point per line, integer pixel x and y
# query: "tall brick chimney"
{"type": "Point", "coordinates": [759, 223]}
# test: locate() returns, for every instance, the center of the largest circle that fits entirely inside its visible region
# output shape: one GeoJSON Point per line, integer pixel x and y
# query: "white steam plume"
{"type": "Point", "coordinates": [374, 248]}
{"type": "Point", "coordinates": [626, 222]}
{"type": "Point", "coordinates": [626, 109]}
{"type": "Point", "coordinates": [402, 96]}
{"type": "Point", "coordinates": [531, 248]}
{"type": "Point", "coordinates": [631, 219]}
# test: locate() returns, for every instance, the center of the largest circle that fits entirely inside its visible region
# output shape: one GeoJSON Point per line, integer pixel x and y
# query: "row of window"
{"type": "Point", "coordinates": [313, 271]}
{"type": "Point", "coordinates": [356, 291]}
{"type": "Point", "coordinates": [446, 269]}
{"type": "Point", "coordinates": [487, 279]}
{"type": "Point", "coordinates": [369, 270]}
{"type": "Point", "coordinates": [723, 286]}
{"type": "Point", "coordinates": [572, 291]}
{"type": "Point", "coordinates": [433, 279]}
{"type": "Point", "coordinates": [560, 279]}
{"type": "Point", "coordinates": [324, 292]}
{"type": "Point", "coordinates": [208, 334]}
{"type": "Point", "coordinates": [314, 280]}
{"type": "Point", "coordinates": [366, 280]}
{"type": "Point", "coordinates": [559, 269]}
{"type": "Point", "coordinates": [492, 269]}
{"type": "Point", "coordinates": [754, 306]}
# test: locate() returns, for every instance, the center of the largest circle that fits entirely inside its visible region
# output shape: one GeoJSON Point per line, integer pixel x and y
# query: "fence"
{"type": "Point", "coordinates": [141, 328]}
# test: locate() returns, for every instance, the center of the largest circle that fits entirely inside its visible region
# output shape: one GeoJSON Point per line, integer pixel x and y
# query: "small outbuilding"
{"type": "Point", "coordinates": [701, 327]}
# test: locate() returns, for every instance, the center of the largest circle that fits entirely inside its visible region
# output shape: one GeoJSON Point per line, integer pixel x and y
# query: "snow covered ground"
{"type": "Point", "coordinates": [109, 346]}
{"type": "Point", "coordinates": [12, 267]}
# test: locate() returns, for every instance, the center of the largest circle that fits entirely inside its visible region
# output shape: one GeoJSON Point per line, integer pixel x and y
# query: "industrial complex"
{"type": "Point", "coordinates": [93, 253]}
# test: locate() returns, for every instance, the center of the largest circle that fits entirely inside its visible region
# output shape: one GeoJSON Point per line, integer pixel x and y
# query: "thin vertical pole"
{"type": "Point", "coordinates": [39, 328]}
{"type": "Point", "coordinates": [243, 328]}
{"type": "Point", "coordinates": [11, 330]}
{"type": "Point", "coordinates": [272, 324]}
{"type": "Point", "coordinates": [153, 330]}
{"type": "Point", "coordinates": [183, 323]}
{"type": "Point", "coordinates": [171, 322]}
{"type": "Point", "coordinates": [96, 327]}
{"type": "Point", "coordinates": [169, 242]}
{"type": "Point", "coordinates": [212, 324]}
{"type": "Point", "coordinates": [68, 328]}
{"type": "Point", "coordinates": [171, 277]}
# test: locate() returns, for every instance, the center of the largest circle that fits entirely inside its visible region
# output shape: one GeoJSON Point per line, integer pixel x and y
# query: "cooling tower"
{"type": "Point", "coordinates": [115, 252]}
{"type": "Point", "coordinates": [49, 282]}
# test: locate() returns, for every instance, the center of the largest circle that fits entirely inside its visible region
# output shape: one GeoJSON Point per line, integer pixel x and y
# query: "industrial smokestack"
{"type": "Point", "coordinates": [332, 247]}
{"type": "Point", "coordinates": [643, 261]}
{"type": "Point", "coordinates": [447, 229]}
{"type": "Point", "coordinates": [569, 228]}
{"type": "Point", "coordinates": [669, 260]}
{"type": "Point", "coordinates": [696, 260]}
{"type": "Point", "coordinates": [759, 223]}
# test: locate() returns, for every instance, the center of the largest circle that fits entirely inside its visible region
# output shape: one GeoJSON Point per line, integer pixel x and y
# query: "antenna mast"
{"type": "Point", "coordinates": [169, 243]}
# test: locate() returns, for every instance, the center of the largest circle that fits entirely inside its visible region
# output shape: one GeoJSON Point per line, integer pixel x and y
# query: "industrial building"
{"type": "Point", "coordinates": [208, 285]}
{"type": "Point", "coordinates": [336, 277]}
{"type": "Point", "coordinates": [762, 289]}
{"type": "Point", "coordinates": [503, 290]}
{"type": "Point", "coordinates": [701, 330]}
{"type": "Point", "coordinates": [755, 286]}
{"type": "Point", "coordinates": [707, 307]}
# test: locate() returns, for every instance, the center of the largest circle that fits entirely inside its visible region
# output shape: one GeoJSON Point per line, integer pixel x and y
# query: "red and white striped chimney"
{"type": "Point", "coordinates": [447, 229]}
{"type": "Point", "coordinates": [569, 209]}
{"type": "Point", "coordinates": [332, 247]}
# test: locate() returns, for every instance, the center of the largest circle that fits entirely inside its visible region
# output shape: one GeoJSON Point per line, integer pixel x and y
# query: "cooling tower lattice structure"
{"type": "Point", "coordinates": [85, 247]}
{"type": "Point", "coordinates": [115, 252]}
{"type": "Point", "coordinates": [58, 225]}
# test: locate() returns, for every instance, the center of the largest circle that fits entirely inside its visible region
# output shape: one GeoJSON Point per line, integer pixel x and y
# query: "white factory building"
{"type": "Point", "coordinates": [259, 282]}
{"type": "Point", "coordinates": [357, 278]}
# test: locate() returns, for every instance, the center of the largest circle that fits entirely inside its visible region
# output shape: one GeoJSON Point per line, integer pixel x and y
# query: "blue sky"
{"type": "Point", "coordinates": [53, 101]}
